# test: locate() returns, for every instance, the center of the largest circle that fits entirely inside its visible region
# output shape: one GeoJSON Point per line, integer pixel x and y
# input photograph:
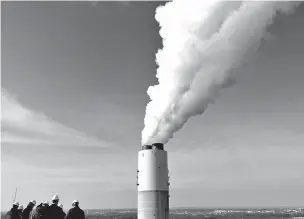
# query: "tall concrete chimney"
{"type": "Point", "coordinates": [153, 182]}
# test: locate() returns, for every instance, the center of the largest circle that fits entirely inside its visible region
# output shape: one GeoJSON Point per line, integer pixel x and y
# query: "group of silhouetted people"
{"type": "Point", "coordinates": [45, 211]}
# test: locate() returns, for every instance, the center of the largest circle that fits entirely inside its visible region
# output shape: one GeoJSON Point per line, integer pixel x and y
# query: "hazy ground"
{"type": "Point", "coordinates": [181, 213]}
{"type": "Point", "coordinates": [184, 213]}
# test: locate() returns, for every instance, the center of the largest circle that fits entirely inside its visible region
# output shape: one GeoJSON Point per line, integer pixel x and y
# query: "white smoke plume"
{"type": "Point", "coordinates": [203, 43]}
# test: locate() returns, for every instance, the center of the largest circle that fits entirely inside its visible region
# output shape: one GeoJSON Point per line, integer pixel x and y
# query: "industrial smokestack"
{"type": "Point", "coordinates": [153, 183]}
{"type": "Point", "coordinates": [203, 43]}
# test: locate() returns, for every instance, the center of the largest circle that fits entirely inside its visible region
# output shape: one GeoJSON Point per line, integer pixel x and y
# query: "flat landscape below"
{"type": "Point", "coordinates": [192, 213]}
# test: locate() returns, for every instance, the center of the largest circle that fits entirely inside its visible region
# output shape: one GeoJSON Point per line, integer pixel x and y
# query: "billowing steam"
{"type": "Point", "coordinates": [203, 43]}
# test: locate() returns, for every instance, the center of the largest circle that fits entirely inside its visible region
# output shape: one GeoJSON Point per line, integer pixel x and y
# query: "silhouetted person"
{"type": "Point", "coordinates": [53, 211]}
{"type": "Point", "coordinates": [75, 212]}
{"type": "Point", "coordinates": [20, 209]}
{"type": "Point", "coordinates": [26, 212]}
{"type": "Point", "coordinates": [63, 213]}
{"type": "Point", "coordinates": [13, 213]}
{"type": "Point", "coordinates": [38, 212]}
{"type": "Point", "coordinates": [46, 204]}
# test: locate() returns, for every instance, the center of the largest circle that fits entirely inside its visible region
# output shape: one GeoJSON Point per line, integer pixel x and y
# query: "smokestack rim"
{"type": "Point", "coordinates": [154, 146]}
{"type": "Point", "coordinates": [146, 147]}
{"type": "Point", "coordinates": [159, 146]}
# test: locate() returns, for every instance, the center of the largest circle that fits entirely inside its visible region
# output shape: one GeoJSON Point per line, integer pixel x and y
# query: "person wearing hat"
{"type": "Point", "coordinates": [38, 212]}
{"type": "Point", "coordinates": [20, 209]}
{"type": "Point", "coordinates": [63, 213]}
{"type": "Point", "coordinates": [13, 213]}
{"type": "Point", "coordinates": [45, 204]}
{"type": "Point", "coordinates": [75, 212]}
{"type": "Point", "coordinates": [54, 212]}
{"type": "Point", "coordinates": [26, 212]}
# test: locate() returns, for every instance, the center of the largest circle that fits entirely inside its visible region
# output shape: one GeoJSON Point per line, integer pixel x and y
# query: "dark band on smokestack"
{"type": "Point", "coordinates": [159, 146]}
{"type": "Point", "coordinates": [155, 146]}
{"type": "Point", "coordinates": [147, 147]}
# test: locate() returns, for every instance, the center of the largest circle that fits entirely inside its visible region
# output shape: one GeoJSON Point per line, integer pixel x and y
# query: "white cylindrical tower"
{"type": "Point", "coordinates": [153, 183]}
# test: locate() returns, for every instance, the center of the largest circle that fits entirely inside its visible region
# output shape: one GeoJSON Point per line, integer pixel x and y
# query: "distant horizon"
{"type": "Point", "coordinates": [184, 208]}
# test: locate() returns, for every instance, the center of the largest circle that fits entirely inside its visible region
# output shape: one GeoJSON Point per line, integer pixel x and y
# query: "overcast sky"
{"type": "Point", "coordinates": [74, 81]}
